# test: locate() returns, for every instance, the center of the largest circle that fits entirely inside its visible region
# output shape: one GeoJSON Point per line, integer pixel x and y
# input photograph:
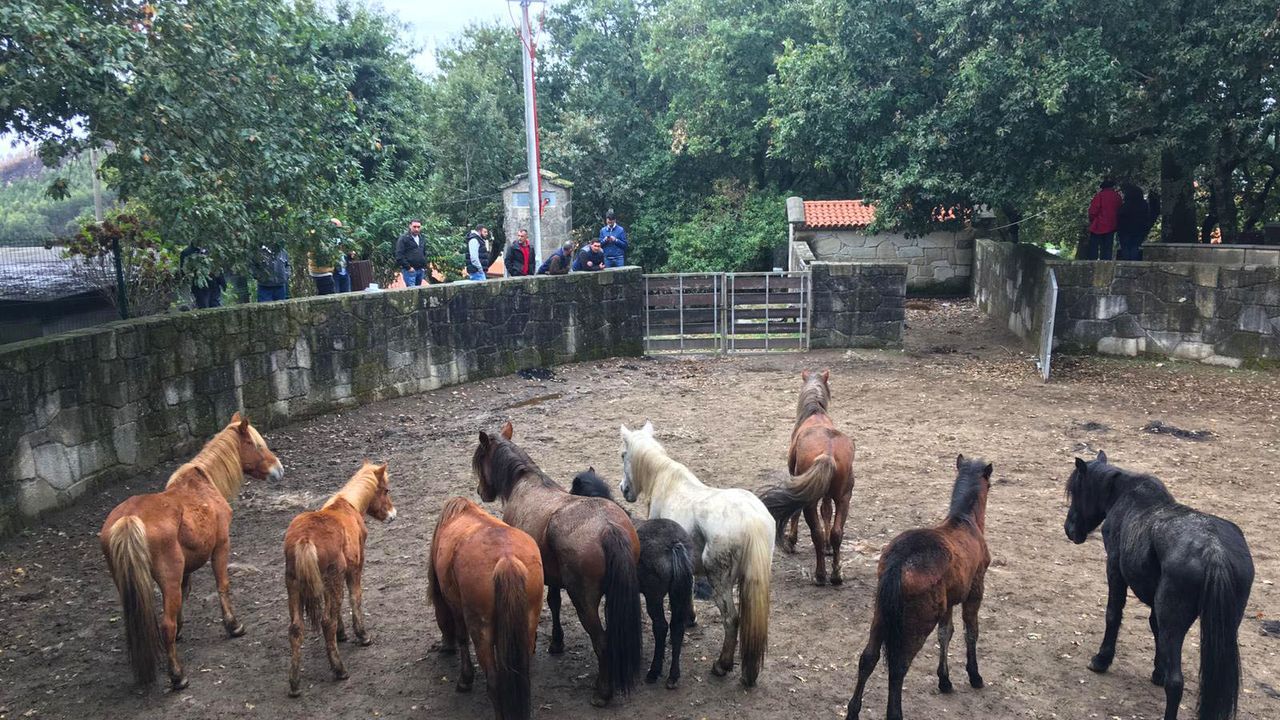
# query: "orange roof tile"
{"type": "Point", "coordinates": [838, 214]}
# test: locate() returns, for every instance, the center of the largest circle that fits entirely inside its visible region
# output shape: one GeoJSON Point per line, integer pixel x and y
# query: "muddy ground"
{"type": "Point", "coordinates": [962, 385]}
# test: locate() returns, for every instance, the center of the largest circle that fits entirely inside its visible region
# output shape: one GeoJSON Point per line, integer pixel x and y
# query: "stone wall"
{"type": "Point", "coordinates": [857, 304]}
{"type": "Point", "coordinates": [938, 263]}
{"type": "Point", "coordinates": [98, 405]}
{"type": "Point", "coordinates": [1214, 254]}
{"type": "Point", "coordinates": [1191, 311]}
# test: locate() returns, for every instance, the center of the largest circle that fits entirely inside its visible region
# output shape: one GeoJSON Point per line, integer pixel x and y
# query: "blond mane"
{"type": "Point", "coordinates": [359, 490]}
{"type": "Point", "coordinates": [219, 461]}
{"type": "Point", "coordinates": [653, 470]}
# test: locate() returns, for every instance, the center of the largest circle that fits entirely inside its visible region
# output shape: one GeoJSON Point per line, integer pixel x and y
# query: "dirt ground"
{"type": "Point", "coordinates": [961, 385]}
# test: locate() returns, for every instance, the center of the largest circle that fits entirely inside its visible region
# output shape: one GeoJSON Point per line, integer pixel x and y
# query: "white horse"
{"type": "Point", "coordinates": [733, 532]}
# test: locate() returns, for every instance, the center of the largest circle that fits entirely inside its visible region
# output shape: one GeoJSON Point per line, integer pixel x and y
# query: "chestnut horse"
{"type": "Point", "coordinates": [924, 574]}
{"type": "Point", "coordinates": [164, 537]}
{"type": "Point", "coordinates": [820, 461]}
{"type": "Point", "coordinates": [485, 579]}
{"type": "Point", "coordinates": [323, 550]}
{"type": "Point", "coordinates": [589, 548]}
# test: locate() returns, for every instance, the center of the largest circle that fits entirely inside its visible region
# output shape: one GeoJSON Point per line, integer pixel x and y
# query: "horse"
{"type": "Point", "coordinates": [1181, 563]}
{"type": "Point", "coordinates": [820, 461]}
{"type": "Point", "coordinates": [485, 581]}
{"type": "Point", "coordinates": [163, 537]}
{"type": "Point", "coordinates": [923, 574]}
{"type": "Point", "coordinates": [733, 537]}
{"type": "Point", "coordinates": [324, 549]}
{"type": "Point", "coordinates": [666, 568]}
{"type": "Point", "coordinates": [589, 548]}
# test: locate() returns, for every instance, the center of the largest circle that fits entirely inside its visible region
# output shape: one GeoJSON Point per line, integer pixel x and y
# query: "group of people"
{"type": "Point", "coordinates": [607, 250]}
{"type": "Point", "coordinates": [1125, 214]}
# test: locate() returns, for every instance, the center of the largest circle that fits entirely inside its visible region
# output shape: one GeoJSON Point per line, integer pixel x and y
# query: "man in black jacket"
{"type": "Point", "coordinates": [411, 255]}
{"type": "Point", "coordinates": [591, 259]}
{"type": "Point", "coordinates": [519, 259]}
{"type": "Point", "coordinates": [1133, 222]}
{"type": "Point", "coordinates": [477, 252]}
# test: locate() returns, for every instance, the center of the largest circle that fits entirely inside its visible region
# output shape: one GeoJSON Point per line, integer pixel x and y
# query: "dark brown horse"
{"type": "Point", "coordinates": [324, 551]}
{"type": "Point", "coordinates": [589, 548]}
{"type": "Point", "coordinates": [486, 587]}
{"type": "Point", "coordinates": [820, 461]}
{"type": "Point", "coordinates": [163, 537]}
{"type": "Point", "coordinates": [924, 574]}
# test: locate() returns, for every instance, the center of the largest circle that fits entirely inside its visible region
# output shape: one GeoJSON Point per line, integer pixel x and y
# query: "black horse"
{"type": "Point", "coordinates": [665, 569]}
{"type": "Point", "coordinates": [1184, 564]}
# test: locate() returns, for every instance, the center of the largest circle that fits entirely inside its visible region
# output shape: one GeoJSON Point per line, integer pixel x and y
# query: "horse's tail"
{"type": "Point", "coordinates": [512, 650]}
{"type": "Point", "coordinates": [1221, 609]}
{"type": "Point", "coordinates": [889, 610]}
{"type": "Point", "coordinates": [681, 588]}
{"type": "Point", "coordinates": [131, 571]}
{"type": "Point", "coordinates": [308, 582]}
{"type": "Point", "coordinates": [621, 610]}
{"type": "Point", "coordinates": [808, 487]}
{"type": "Point", "coordinates": [753, 596]}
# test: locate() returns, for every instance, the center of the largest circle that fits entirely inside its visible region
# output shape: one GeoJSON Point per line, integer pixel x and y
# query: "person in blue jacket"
{"type": "Point", "coordinates": [613, 239]}
{"type": "Point", "coordinates": [590, 259]}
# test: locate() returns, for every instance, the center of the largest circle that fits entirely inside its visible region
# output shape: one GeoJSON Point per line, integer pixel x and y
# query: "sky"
{"type": "Point", "coordinates": [432, 23]}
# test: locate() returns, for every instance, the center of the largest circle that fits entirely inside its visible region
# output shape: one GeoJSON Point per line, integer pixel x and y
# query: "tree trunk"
{"type": "Point", "coordinates": [1177, 206]}
{"type": "Point", "coordinates": [1224, 188]}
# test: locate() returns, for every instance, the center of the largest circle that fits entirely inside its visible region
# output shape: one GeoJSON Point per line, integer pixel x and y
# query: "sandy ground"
{"type": "Point", "coordinates": [960, 386]}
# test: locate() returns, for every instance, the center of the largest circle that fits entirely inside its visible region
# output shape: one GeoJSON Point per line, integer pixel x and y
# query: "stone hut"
{"type": "Point", "coordinates": [557, 209]}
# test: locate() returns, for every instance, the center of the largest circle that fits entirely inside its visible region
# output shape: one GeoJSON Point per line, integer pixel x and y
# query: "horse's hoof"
{"type": "Point", "coordinates": [236, 631]}
{"type": "Point", "coordinates": [295, 693]}
{"type": "Point", "coordinates": [673, 683]}
{"type": "Point", "coordinates": [747, 682]}
{"type": "Point", "coordinates": [556, 648]}
{"type": "Point", "coordinates": [975, 682]}
{"type": "Point", "coordinates": [340, 675]}
{"type": "Point", "coordinates": [597, 701]}
{"type": "Point", "coordinates": [944, 686]}
{"type": "Point", "coordinates": [836, 580]}
{"type": "Point", "coordinates": [819, 580]}
{"type": "Point", "coordinates": [789, 548]}
{"type": "Point", "coordinates": [444, 648]}
{"type": "Point", "coordinates": [651, 677]}
{"type": "Point", "coordinates": [719, 670]}
{"type": "Point", "coordinates": [365, 641]}
{"type": "Point", "coordinates": [342, 637]}
{"type": "Point", "coordinates": [179, 683]}
{"type": "Point", "coordinates": [1099, 664]}
{"type": "Point", "coordinates": [463, 686]}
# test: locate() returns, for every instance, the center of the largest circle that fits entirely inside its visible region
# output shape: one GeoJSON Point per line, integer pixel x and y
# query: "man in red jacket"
{"type": "Point", "coordinates": [1103, 212]}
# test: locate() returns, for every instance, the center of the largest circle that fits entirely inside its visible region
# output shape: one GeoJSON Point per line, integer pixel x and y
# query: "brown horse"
{"type": "Point", "coordinates": [820, 461]}
{"type": "Point", "coordinates": [324, 549]}
{"type": "Point", "coordinates": [486, 585]}
{"type": "Point", "coordinates": [164, 537]}
{"type": "Point", "coordinates": [924, 574]}
{"type": "Point", "coordinates": [589, 548]}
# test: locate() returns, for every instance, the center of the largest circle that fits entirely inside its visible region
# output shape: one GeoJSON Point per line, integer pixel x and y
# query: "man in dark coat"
{"type": "Point", "coordinates": [519, 260]}
{"type": "Point", "coordinates": [1133, 222]}
{"type": "Point", "coordinates": [411, 255]}
{"type": "Point", "coordinates": [559, 262]}
{"type": "Point", "coordinates": [590, 259]}
{"type": "Point", "coordinates": [477, 252]}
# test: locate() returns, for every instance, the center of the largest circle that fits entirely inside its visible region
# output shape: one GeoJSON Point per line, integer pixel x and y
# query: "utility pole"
{"type": "Point", "coordinates": [527, 51]}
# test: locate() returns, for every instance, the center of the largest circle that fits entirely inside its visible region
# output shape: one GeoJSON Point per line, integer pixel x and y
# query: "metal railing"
{"type": "Point", "coordinates": [726, 312]}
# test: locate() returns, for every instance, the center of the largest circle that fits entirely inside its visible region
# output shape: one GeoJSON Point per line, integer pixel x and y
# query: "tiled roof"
{"type": "Point", "coordinates": [838, 214]}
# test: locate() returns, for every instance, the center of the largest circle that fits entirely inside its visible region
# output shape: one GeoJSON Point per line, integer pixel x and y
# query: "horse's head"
{"type": "Point", "coordinates": [380, 506]}
{"type": "Point", "coordinates": [815, 394]}
{"type": "Point", "coordinates": [256, 459]}
{"type": "Point", "coordinates": [629, 440]}
{"type": "Point", "coordinates": [1086, 490]}
{"type": "Point", "coordinates": [588, 484]}
{"type": "Point", "coordinates": [481, 462]}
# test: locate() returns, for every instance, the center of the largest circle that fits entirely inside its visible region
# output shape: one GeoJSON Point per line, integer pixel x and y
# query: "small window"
{"type": "Point", "coordinates": [521, 199]}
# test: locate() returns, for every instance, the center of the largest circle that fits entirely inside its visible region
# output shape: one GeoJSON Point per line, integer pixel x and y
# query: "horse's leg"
{"type": "Point", "coordinates": [915, 637]}
{"type": "Point", "coordinates": [945, 630]}
{"type": "Point", "coordinates": [677, 643]}
{"type": "Point", "coordinates": [221, 551]}
{"type": "Point", "coordinates": [866, 665]}
{"type": "Point", "coordinates": [837, 534]}
{"type": "Point", "coordinates": [1176, 617]}
{"type": "Point", "coordinates": [827, 513]}
{"type": "Point", "coordinates": [1117, 592]}
{"type": "Point", "coordinates": [295, 641]}
{"type": "Point", "coordinates": [587, 603]}
{"type": "Point", "coordinates": [819, 543]}
{"type": "Point", "coordinates": [729, 619]}
{"type": "Point", "coordinates": [466, 670]}
{"type": "Point", "coordinates": [485, 658]}
{"type": "Point", "coordinates": [332, 616]}
{"type": "Point", "coordinates": [792, 536]}
{"type": "Point", "coordinates": [186, 593]}
{"type": "Point", "coordinates": [1157, 673]}
{"type": "Point", "coordinates": [969, 612]}
{"type": "Point", "coordinates": [448, 630]}
{"type": "Point", "coordinates": [168, 574]}
{"type": "Point", "coordinates": [356, 589]}
{"type": "Point", "coordinates": [557, 631]}
{"type": "Point", "coordinates": [658, 617]}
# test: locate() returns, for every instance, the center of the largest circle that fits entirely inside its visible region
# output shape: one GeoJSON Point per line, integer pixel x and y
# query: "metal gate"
{"type": "Point", "coordinates": [726, 312]}
{"type": "Point", "coordinates": [1048, 310]}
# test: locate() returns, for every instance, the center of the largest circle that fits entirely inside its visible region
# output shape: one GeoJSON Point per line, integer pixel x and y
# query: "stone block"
{"type": "Point", "coordinates": [1118, 346]}
{"type": "Point", "coordinates": [1109, 306]}
{"type": "Point", "coordinates": [1254, 318]}
{"type": "Point", "coordinates": [35, 497]}
{"type": "Point", "coordinates": [54, 466]}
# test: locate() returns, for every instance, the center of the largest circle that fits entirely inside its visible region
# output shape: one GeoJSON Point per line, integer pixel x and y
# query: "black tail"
{"type": "Point", "coordinates": [783, 501]}
{"type": "Point", "coordinates": [512, 648]}
{"type": "Point", "coordinates": [889, 605]}
{"type": "Point", "coordinates": [621, 611]}
{"type": "Point", "coordinates": [1220, 613]}
{"type": "Point", "coordinates": [681, 589]}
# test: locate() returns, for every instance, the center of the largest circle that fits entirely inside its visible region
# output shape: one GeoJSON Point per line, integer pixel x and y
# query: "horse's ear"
{"type": "Point", "coordinates": [506, 430]}
{"type": "Point", "coordinates": [648, 428]}
{"type": "Point", "coordinates": [484, 439]}
{"type": "Point", "coordinates": [1102, 456]}
{"type": "Point", "coordinates": [381, 471]}
{"type": "Point", "coordinates": [804, 375]}
{"type": "Point", "coordinates": [826, 375]}
{"type": "Point", "coordinates": [235, 418]}
{"type": "Point", "coordinates": [959, 461]}
{"type": "Point", "coordinates": [243, 427]}
{"type": "Point", "coordinates": [986, 471]}
{"type": "Point", "coordinates": [1082, 466]}
{"type": "Point", "coordinates": [623, 431]}
{"type": "Point", "coordinates": [591, 468]}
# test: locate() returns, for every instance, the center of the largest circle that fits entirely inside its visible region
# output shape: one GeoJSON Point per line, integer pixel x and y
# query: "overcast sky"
{"type": "Point", "coordinates": [432, 23]}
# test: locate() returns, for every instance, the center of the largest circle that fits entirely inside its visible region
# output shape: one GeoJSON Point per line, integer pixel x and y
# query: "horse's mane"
{"type": "Point", "coordinates": [589, 484]}
{"type": "Point", "coordinates": [218, 461]}
{"type": "Point", "coordinates": [1103, 478]}
{"type": "Point", "coordinates": [649, 460]}
{"type": "Point", "coordinates": [968, 488]}
{"type": "Point", "coordinates": [455, 507]}
{"type": "Point", "coordinates": [359, 490]}
{"type": "Point", "coordinates": [814, 397]}
{"type": "Point", "coordinates": [507, 463]}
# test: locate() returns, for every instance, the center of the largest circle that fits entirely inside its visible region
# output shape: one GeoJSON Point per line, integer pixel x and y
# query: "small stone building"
{"type": "Point", "coordinates": [938, 263]}
{"type": "Point", "coordinates": [557, 210]}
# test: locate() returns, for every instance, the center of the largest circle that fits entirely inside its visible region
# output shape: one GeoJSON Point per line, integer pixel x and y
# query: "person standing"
{"type": "Point", "coordinates": [519, 259]}
{"type": "Point", "coordinates": [272, 273]}
{"type": "Point", "coordinates": [590, 259]}
{"type": "Point", "coordinates": [559, 262]}
{"type": "Point", "coordinates": [477, 252]}
{"type": "Point", "coordinates": [613, 240]}
{"type": "Point", "coordinates": [1133, 222]}
{"type": "Point", "coordinates": [1103, 211]}
{"type": "Point", "coordinates": [209, 294]}
{"type": "Point", "coordinates": [411, 255]}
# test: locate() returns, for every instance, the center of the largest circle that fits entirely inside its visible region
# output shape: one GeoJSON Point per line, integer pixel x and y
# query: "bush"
{"type": "Point", "coordinates": [149, 265]}
{"type": "Point", "coordinates": [736, 231]}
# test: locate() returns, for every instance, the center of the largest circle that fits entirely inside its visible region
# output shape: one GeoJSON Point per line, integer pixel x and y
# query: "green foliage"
{"type": "Point", "coordinates": [736, 230]}
{"type": "Point", "coordinates": [149, 264]}
{"type": "Point", "coordinates": [31, 210]}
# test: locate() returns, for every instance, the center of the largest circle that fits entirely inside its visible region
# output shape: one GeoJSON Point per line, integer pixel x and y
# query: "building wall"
{"type": "Point", "coordinates": [1215, 254]}
{"type": "Point", "coordinates": [97, 405]}
{"type": "Point", "coordinates": [857, 304]}
{"type": "Point", "coordinates": [557, 220]}
{"type": "Point", "coordinates": [938, 263]}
